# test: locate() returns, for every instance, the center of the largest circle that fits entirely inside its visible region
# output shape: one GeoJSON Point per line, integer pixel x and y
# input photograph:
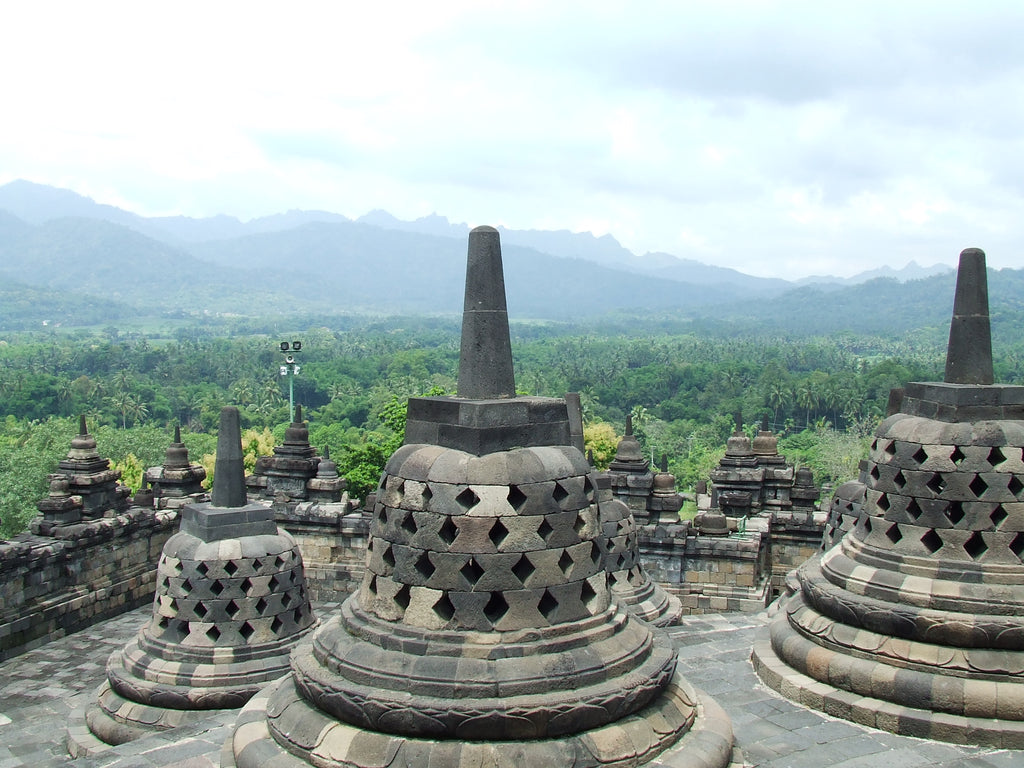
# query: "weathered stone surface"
{"type": "Point", "coordinates": [917, 608]}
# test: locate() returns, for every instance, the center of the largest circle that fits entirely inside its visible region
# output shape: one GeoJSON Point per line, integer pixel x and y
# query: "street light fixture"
{"type": "Point", "coordinates": [290, 369]}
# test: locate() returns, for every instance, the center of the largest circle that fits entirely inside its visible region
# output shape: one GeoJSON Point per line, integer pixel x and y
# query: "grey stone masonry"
{"type": "Point", "coordinates": [288, 472]}
{"type": "Point", "coordinates": [230, 604]}
{"type": "Point", "coordinates": [177, 479]}
{"type": "Point", "coordinates": [916, 616]}
{"type": "Point", "coordinates": [484, 632]}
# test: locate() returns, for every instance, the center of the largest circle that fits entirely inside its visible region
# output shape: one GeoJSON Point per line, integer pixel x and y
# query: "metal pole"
{"type": "Point", "coordinates": [291, 393]}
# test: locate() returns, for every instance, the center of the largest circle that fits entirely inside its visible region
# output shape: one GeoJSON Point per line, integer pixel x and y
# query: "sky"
{"type": "Point", "coordinates": [782, 139]}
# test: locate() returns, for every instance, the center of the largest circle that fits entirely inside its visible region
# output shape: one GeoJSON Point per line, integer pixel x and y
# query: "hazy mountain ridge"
{"type": "Point", "coordinates": [313, 261]}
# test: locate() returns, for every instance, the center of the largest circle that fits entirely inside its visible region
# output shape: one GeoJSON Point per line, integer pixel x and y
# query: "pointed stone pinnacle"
{"type": "Point", "coordinates": [629, 425]}
{"type": "Point", "coordinates": [969, 353]}
{"type": "Point", "coordinates": [298, 413]}
{"type": "Point", "coordinates": [81, 425]}
{"type": "Point", "coordinates": [485, 357]}
{"type": "Point", "coordinates": [229, 472]}
{"type": "Point", "coordinates": [177, 433]}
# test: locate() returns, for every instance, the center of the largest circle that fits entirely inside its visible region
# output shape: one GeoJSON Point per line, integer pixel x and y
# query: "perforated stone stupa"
{"type": "Point", "coordinates": [484, 632]}
{"type": "Point", "coordinates": [230, 604]}
{"type": "Point", "coordinates": [914, 621]}
{"type": "Point", "coordinates": [627, 579]}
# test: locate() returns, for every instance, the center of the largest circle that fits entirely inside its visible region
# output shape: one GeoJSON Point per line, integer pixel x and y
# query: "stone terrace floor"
{"type": "Point", "coordinates": [39, 690]}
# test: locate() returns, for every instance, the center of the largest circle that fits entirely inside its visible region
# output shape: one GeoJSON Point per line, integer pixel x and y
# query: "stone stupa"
{"type": "Point", "coordinates": [914, 621]}
{"type": "Point", "coordinates": [484, 632]}
{"type": "Point", "coordinates": [230, 605]}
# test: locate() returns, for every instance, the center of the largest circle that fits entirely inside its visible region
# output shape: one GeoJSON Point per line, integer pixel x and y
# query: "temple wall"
{"type": "Point", "coordinates": [793, 541]}
{"type": "Point", "coordinates": [333, 544]}
{"type": "Point", "coordinates": [53, 586]}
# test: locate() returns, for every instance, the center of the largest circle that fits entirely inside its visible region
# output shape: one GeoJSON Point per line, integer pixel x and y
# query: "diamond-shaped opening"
{"type": "Point", "coordinates": [232, 609]}
{"type": "Point", "coordinates": [273, 584]}
{"type": "Point", "coordinates": [257, 564]}
{"type": "Point", "coordinates": [565, 562]}
{"type": "Point", "coordinates": [955, 512]}
{"type": "Point", "coordinates": [1015, 486]}
{"type": "Point", "coordinates": [423, 566]}
{"type": "Point", "coordinates": [279, 561]}
{"type": "Point", "coordinates": [382, 516]}
{"type": "Point", "coordinates": [298, 613]}
{"type": "Point", "coordinates": [975, 546]}
{"type": "Point", "coordinates": [957, 456]}
{"type": "Point", "coordinates": [202, 568]}
{"type": "Point", "coordinates": [978, 486]}
{"type": "Point", "coordinates": [894, 533]}
{"type": "Point", "coordinates": [388, 556]}
{"type": "Point", "coordinates": [547, 605]}
{"type": "Point", "coordinates": [516, 498]}
{"type": "Point", "coordinates": [914, 509]}
{"type": "Point", "coordinates": [276, 625]}
{"type": "Point", "coordinates": [884, 503]}
{"type": "Point", "coordinates": [867, 525]}
{"type": "Point", "coordinates": [890, 448]}
{"type": "Point", "coordinates": [163, 622]}
{"type": "Point", "coordinates": [936, 483]}
{"type": "Point", "coordinates": [874, 445]}
{"type": "Point", "coordinates": [217, 587]}
{"type": "Point", "coordinates": [261, 606]}
{"type": "Point", "coordinates": [496, 608]}
{"type": "Point", "coordinates": [998, 515]}
{"type": "Point", "coordinates": [932, 541]}
{"type": "Point", "coordinates": [498, 533]}
{"type": "Point", "coordinates": [230, 568]}
{"type": "Point", "coordinates": [920, 455]}
{"type": "Point", "coordinates": [559, 494]}
{"type": "Point", "coordinates": [1017, 546]}
{"type": "Point", "coordinates": [467, 499]}
{"type": "Point", "coordinates": [588, 487]}
{"type": "Point", "coordinates": [186, 587]}
{"type": "Point", "coordinates": [443, 608]}
{"type": "Point", "coordinates": [400, 490]}
{"type": "Point", "coordinates": [213, 633]}
{"type": "Point", "coordinates": [371, 586]}
{"type": "Point", "coordinates": [595, 553]}
{"type": "Point", "coordinates": [177, 568]}
{"type": "Point", "coordinates": [580, 525]}
{"type": "Point", "coordinates": [448, 531]}
{"type": "Point", "coordinates": [402, 597]}
{"type": "Point", "coordinates": [409, 525]}
{"type": "Point", "coordinates": [996, 457]}
{"type": "Point", "coordinates": [587, 595]}
{"type": "Point", "coordinates": [286, 600]}
{"type": "Point", "coordinates": [544, 529]}
{"type": "Point", "coordinates": [899, 480]}
{"type": "Point", "coordinates": [200, 610]}
{"type": "Point", "coordinates": [472, 571]}
{"type": "Point", "coordinates": [246, 585]}
{"type": "Point", "coordinates": [620, 561]}
{"type": "Point", "coordinates": [523, 569]}
{"type": "Point", "coordinates": [427, 495]}
{"type": "Point", "coordinates": [875, 474]}
{"type": "Point", "coordinates": [246, 630]}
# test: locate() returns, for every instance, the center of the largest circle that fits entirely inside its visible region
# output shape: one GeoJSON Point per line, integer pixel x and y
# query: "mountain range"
{"type": "Point", "coordinates": [79, 259]}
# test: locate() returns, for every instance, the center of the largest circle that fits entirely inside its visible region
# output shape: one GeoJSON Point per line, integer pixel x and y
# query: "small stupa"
{"type": "Point", "coordinates": [230, 605]}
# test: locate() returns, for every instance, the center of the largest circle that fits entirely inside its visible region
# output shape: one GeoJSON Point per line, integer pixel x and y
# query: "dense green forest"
{"type": "Point", "coordinates": [682, 384]}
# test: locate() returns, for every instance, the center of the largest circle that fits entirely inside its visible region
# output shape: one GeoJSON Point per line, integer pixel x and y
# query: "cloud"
{"type": "Point", "coordinates": [778, 137]}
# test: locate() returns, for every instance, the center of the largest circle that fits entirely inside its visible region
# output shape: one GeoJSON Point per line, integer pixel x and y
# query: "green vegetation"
{"type": "Point", "coordinates": [683, 387]}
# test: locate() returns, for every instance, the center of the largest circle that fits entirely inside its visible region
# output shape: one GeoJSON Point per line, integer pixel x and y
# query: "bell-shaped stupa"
{"type": "Point", "coordinates": [230, 605]}
{"type": "Point", "coordinates": [914, 620]}
{"type": "Point", "coordinates": [484, 632]}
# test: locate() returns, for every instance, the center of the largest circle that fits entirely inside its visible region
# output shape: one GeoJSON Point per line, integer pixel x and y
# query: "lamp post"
{"type": "Point", "coordinates": [290, 369]}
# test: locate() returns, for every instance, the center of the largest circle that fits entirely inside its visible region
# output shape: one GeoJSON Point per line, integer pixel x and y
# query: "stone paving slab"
{"type": "Point", "coordinates": [40, 689]}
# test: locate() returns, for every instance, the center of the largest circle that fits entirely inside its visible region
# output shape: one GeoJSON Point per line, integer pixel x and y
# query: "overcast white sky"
{"type": "Point", "coordinates": [779, 138]}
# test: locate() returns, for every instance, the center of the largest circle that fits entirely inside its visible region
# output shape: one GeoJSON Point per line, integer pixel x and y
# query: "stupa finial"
{"type": "Point", "coordinates": [485, 358]}
{"type": "Point", "coordinates": [969, 353]}
{"type": "Point", "coordinates": [229, 473]}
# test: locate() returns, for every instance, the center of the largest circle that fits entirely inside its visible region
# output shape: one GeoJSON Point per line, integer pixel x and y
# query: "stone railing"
{"type": "Point", "coordinates": [51, 586]}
